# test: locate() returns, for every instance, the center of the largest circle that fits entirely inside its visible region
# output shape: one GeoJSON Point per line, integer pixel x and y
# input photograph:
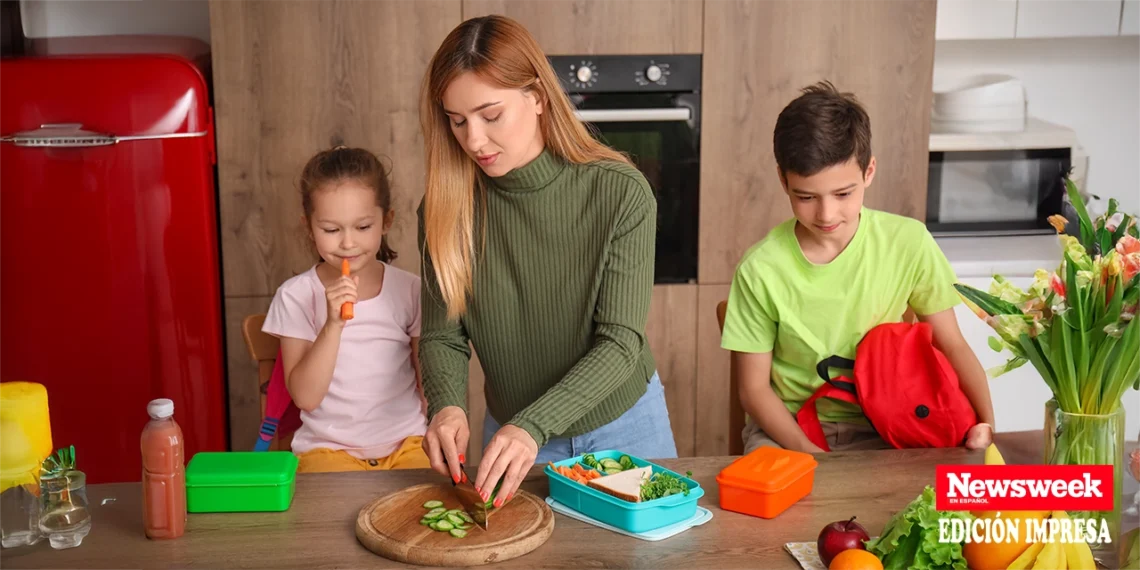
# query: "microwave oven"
{"type": "Point", "coordinates": [1002, 183]}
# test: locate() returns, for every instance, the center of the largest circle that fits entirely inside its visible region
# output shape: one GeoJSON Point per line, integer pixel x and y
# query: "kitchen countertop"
{"type": "Point", "coordinates": [318, 530]}
{"type": "Point", "coordinates": [1011, 256]}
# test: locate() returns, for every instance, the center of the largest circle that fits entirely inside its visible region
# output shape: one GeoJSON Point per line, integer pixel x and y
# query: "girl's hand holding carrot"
{"type": "Point", "coordinates": [345, 309]}
{"type": "Point", "coordinates": [342, 291]}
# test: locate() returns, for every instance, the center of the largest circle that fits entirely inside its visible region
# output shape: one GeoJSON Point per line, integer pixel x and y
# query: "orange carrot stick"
{"type": "Point", "coordinates": [345, 309]}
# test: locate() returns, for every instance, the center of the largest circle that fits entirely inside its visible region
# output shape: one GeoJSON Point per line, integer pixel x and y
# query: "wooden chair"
{"type": "Point", "coordinates": [735, 408]}
{"type": "Point", "coordinates": [263, 349]}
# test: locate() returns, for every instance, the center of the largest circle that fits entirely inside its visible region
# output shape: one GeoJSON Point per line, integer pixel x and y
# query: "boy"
{"type": "Point", "coordinates": [818, 282]}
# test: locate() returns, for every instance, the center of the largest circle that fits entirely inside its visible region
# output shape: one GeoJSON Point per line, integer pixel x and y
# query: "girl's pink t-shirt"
{"type": "Point", "coordinates": [372, 404]}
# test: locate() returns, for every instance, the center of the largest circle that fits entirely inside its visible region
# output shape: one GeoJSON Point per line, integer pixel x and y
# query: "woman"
{"type": "Point", "coordinates": [538, 249]}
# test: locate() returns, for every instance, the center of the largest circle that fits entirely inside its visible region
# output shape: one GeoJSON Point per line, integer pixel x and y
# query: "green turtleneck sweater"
{"type": "Point", "coordinates": [561, 296]}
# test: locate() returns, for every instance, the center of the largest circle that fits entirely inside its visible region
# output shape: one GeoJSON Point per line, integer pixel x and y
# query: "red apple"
{"type": "Point", "coordinates": [839, 536]}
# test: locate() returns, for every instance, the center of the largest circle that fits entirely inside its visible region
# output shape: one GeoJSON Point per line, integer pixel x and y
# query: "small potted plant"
{"type": "Point", "coordinates": [64, 516]}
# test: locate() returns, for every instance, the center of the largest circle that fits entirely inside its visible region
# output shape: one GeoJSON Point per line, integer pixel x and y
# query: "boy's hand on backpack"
{"type": "Point", "coordinates": [979, 437]}
{"type": "Point", "coordinates": [342, 291]}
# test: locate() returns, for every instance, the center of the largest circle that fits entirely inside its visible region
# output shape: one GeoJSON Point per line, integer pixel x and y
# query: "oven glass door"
{"type": "Point", "coordinates": [660, 133]}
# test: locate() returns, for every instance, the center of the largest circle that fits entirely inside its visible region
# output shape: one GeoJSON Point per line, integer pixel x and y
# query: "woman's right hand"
{"type": "Point", "coordinates": [342, 291]}
{"type": "Point", "coordinates": [445, 440]}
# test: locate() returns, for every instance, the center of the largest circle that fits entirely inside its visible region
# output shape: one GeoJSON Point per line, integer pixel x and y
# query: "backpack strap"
{"type": "Point", "coordinates": [840, 388]}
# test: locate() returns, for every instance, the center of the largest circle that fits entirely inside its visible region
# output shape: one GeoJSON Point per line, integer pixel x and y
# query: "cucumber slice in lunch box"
{"type": "Point", "coordinates": [626, 462]}
{"type": "Point", "coordinates": [458, 533]}
{"type": "Point", "coordinates": [608, 464]}
{"type": "Point", "coordinates": [613, 470]}
{"type": "Point", "coordinates": [433, 504]}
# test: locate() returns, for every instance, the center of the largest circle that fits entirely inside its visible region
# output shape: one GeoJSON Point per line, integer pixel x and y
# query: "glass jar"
{"type": "Point", "coordinates": [19, 508]}
{"type": "Point", "coordinates": [64, 515]}
{"type": "Point", "coordinates": [1090, 439]}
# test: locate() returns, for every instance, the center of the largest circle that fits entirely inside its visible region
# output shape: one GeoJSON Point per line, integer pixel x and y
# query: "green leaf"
{"type": "Point", "coordinates": [1036, 355]}
{"type": "Point", "coordinates": [1123, 227]}
{"type": "Point", "coordinates": [1087, 238]}
{"type": "Point", "coordinates": [990, 304]}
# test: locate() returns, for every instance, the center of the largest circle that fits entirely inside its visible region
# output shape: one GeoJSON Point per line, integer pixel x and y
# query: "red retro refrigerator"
{"type": "Point", "coordinates": [110, 288]}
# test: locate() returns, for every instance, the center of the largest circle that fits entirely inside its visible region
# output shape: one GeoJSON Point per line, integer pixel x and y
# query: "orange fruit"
{"type": "Point", "coordinates": [855, 559]}
{"type": "Point", "coordinates": [999, 555]}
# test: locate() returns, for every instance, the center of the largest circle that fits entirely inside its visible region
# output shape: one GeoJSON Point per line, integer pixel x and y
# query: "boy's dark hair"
{"type": "Point", "coordinates": [821, 128]}
{"type": "Point", "coordinates": [343, 163]}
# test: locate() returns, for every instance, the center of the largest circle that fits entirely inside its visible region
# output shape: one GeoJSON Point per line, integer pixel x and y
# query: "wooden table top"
{"type": "Point", "coordinates": [318, 530]}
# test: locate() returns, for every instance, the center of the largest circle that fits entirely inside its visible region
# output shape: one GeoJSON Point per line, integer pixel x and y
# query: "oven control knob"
{"type": "Point", "coordinates": [653, 73]}
{"type": "Point", "coordinates": [584, 74]}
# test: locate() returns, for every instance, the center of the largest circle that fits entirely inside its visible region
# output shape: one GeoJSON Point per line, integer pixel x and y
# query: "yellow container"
{"type": "Point", "coordinates": [25, 432]}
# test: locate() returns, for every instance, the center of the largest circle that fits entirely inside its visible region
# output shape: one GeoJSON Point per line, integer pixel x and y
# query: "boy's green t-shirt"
{"type": "Point", "coordinates": [802, 312]}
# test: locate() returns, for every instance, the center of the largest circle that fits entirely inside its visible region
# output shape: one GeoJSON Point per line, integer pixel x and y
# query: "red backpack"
{"type": "Point", "coordinates": [906, 387]}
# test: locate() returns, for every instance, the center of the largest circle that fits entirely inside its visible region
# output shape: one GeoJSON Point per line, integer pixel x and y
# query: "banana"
{"type": "Point", "coordinates": [1052, 557]}
{"type": "Point", "coordinates": [1078, 555]}
{"type": "Point", "coordinates": [993, 456]}
{"type": "Point", "coordinates": [1022, 562]}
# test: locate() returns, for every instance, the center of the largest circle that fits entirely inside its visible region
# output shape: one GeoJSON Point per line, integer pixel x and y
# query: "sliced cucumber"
{"type": "Point", "coordinates": [443, 525]}
{"type": "Point", "coordinates": [454, 519]}
{"type": "Point", "coordinates": [463, 526]}
{"type": "Point", "coordinates": [613, 471]}
{"type": "Point", "coordinates": [426, 522]}
{"type": "Point", "coordinates": [435, 513]}
{"type": "Point", "coordinates": [466, 517]}
{"type": "Point", "coordinates": [433, 504]}
{"type": "Point", "coordinates": [458, 533]}
{"type": "Point", "coordinates": [626, 462]}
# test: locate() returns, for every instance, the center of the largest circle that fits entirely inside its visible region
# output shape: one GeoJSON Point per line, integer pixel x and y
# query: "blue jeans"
{"type": "Point", "coordinates": [642, 431]}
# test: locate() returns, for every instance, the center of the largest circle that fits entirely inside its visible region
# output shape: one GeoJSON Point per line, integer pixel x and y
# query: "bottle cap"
{"type": "Point", "coordinates": [161, 408]}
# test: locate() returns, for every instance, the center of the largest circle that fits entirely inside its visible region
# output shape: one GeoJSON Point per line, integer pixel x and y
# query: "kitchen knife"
{"type": "Point", "coordinates": [469, 498]}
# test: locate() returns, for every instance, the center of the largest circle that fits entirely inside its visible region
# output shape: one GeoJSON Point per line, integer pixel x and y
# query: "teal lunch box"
{"type": "Point", "coordinates": [240, 481]}
{"type": "Point", "coordinates": [633, 517]}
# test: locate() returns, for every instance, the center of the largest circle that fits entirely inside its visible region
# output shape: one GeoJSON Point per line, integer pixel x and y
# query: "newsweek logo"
{"type": "Point", "coordinates": [1023, 487]}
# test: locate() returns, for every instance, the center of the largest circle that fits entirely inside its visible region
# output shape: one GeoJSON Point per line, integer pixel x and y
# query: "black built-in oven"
{"type": "Point", "coordinates": [649, 107]}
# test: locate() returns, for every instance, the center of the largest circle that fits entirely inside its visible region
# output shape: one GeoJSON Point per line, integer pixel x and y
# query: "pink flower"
{"type": "Point", "coordinates": [1128, 248]}
{"type": "Point", "coordinates": [1057, 285]}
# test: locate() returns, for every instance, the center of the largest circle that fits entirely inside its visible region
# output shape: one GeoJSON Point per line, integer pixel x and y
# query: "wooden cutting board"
{"type": "Point", "coordinates": [390, 526]}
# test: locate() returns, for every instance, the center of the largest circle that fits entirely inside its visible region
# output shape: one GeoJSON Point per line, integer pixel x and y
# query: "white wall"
{"type": "Point", "coordinates": [52, 18]}
{"type": "Point", "coordinates": [1091, 85]}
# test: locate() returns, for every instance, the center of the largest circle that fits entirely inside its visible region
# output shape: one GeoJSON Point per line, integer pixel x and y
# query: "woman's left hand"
{"type": "Point", "coordinates": [508, 456]}
{"type": "Point", "coordinates": [979, 437]}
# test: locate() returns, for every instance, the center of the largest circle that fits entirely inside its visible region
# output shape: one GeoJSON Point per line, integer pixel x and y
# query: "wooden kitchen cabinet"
{"type": "Point", "coordinates": [590, 27]}
{"type": "Point", "coordinates": [758, 55]}
{"type": "Point", "coordinates": [1068, 18]}
{"type": "Point", "coordinates": [1130, 18]}
{"type": "Point", "coordinates": [976, 19]}
{"type": "Point", "coordinates": [292, 78]}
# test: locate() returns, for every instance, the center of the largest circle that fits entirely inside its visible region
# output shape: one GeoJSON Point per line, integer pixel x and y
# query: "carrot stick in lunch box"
{"type": "Point", "coordinates": [345, 309]}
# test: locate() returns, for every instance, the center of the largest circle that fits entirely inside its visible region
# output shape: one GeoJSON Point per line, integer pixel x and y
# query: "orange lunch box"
{"type": "Point", "coordinates": [766, 482]}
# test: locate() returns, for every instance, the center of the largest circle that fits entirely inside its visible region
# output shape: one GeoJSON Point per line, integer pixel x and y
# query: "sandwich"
{"type": "Point", "coordinates": [625, 485]}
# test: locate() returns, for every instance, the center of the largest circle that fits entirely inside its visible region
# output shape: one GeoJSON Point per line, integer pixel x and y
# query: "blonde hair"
{"type": "Point", "coordinates": [503, 52]}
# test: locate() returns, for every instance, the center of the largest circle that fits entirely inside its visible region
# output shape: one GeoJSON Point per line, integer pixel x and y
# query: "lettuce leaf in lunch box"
{"type": "Point", "coordinates": [910, 539]}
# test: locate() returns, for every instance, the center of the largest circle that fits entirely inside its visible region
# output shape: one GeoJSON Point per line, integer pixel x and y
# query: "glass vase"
{"type": "Point", "coordinates": [64, 515]}
{"type": "Point", "coordinates": [1090, 439]}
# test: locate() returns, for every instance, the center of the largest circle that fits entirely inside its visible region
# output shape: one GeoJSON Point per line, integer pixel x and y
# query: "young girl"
{"type": "Point", "coordinates": [356, 381]}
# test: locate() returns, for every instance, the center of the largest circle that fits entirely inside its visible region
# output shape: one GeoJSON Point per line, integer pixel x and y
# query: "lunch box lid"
{"type": "Point", "coordinates": [767, 469]}
{"type": "Point", "coordinates": [241, 468]}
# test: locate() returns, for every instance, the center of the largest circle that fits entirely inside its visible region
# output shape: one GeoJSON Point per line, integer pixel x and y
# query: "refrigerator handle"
{"type": "Point", "coordinates": [66, 135]}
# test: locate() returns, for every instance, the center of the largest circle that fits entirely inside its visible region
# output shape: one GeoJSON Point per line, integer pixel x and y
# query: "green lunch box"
{"type": "Point", "coordinates": [240, 481]}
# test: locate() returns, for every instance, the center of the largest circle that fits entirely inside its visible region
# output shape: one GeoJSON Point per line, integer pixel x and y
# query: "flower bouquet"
{"type": "Point", "coordinates": [1076, 325]}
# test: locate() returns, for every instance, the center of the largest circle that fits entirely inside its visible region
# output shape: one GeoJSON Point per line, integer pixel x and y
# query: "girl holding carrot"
{"type": "Point", "coordinates": [350, 326]}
